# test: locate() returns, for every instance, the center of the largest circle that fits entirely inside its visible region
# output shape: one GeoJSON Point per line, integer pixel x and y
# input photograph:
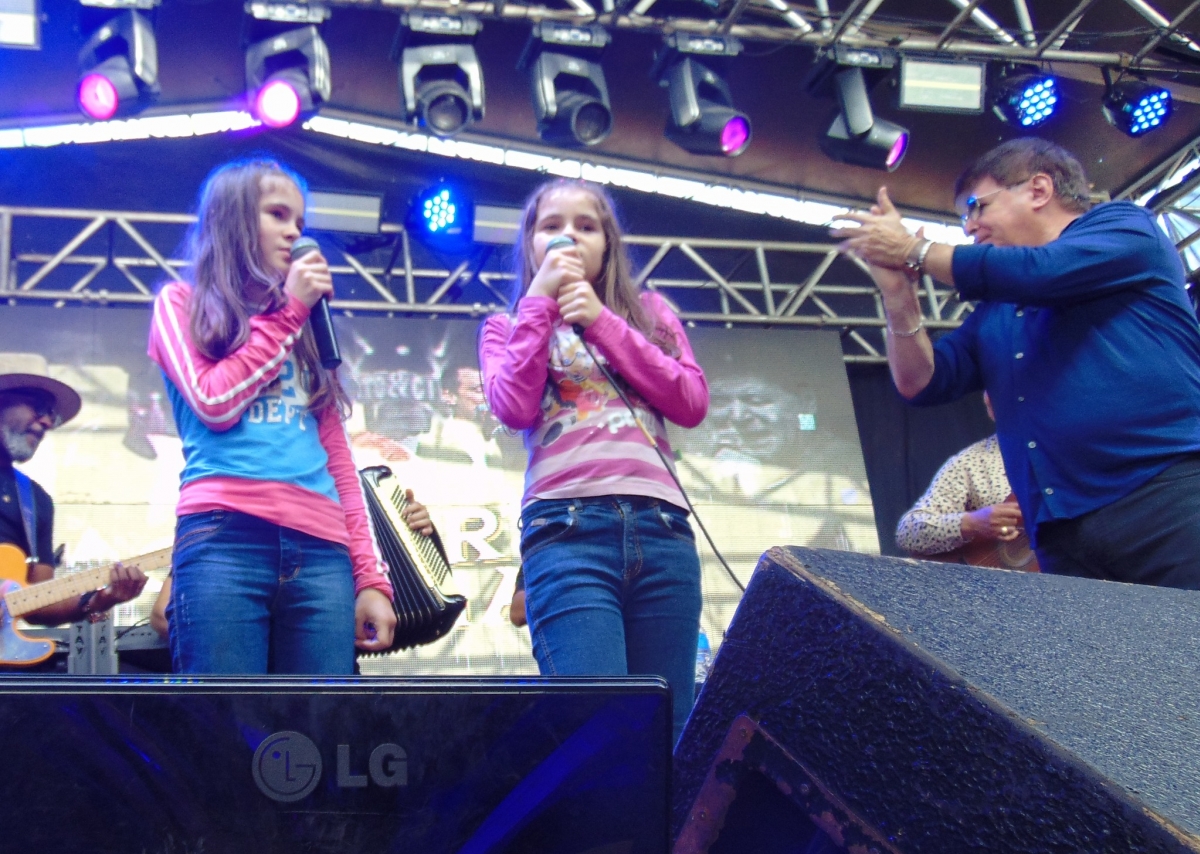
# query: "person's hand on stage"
{"type": "Point", "coordinates": [892, 284]}
{"type": "Point", "coordinates": [124, 583]}
{"type": "Point", "coordinates": [559, 265]}
{"type": "Point", "coordinates": [881, 238]}
{"type": "Point", "coordinates": [416, 515]}
{"type": "Point", "coordinates": [374, 621]}
{"type": "Point", "coordinates": [309, 279]}
{"type": "Point", "coordinates": [996, 522]}
{"type": "Point", "coordinates": [578, 304]}
{"type": "Point", "coordinates": [516, 609]}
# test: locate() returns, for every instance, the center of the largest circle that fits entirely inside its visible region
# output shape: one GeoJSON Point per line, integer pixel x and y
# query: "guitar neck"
{"type": "Point", "coordinates": [21, 602]}
{"type": "Point", "coordinates": [66, 587]}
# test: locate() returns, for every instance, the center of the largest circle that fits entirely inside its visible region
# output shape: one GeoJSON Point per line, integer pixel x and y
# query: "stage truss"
{"type": "Point", "coordinates": [1172, 191]}
{"type": "Point", "coordinates": [1037, 30]}
{"type": "Point", "coordinates": [117, 258]}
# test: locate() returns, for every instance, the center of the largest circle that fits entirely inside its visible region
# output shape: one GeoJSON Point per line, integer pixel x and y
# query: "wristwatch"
{"type": "Point", "coordinates": [85, 602]}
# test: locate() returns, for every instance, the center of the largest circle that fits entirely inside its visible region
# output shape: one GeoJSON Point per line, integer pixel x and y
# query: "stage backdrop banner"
{"type": "Point", "coordinates": [777, 460]}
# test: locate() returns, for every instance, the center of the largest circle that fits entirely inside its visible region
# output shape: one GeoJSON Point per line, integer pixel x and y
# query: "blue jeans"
{"type": "Point", "coordinates": [249, 596]}
{"type": "Point", "coordinates": [612, 589]}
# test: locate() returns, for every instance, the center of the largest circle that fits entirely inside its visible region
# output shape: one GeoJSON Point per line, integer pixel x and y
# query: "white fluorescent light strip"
{"type": "Point", "coordinates": [151, 127]}
{"type": "Point", "coordinates": [805, 211]}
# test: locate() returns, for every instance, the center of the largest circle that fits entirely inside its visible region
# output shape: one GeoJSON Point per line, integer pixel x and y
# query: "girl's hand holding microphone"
{"type": "Point", "coordinates": [563, 277]}
{"type": "Point", "coordinates": [561, 264]}
{"type": "Point", "coordinates": [578, 304]}
{"type": "Point", "coordinates": [308, 277]}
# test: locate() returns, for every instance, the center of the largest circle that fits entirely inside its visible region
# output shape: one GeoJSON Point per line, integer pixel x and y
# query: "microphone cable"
{"type": "Point", "coordinates": [663, 457]}
{"type": "Point", "coordinates": [562, 240]}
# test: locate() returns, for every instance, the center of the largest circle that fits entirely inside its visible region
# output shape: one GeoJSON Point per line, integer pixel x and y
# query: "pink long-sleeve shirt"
{"type": "Point", "coordinates": [250, 444]}
{"type": "Point", "coordinates": [582, 439]}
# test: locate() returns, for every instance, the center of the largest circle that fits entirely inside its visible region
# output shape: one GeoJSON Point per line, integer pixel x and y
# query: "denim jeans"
{"type": "Point", "coordinates": [249, 596]}
{"type": "Point", "coordinates": [613, 589]}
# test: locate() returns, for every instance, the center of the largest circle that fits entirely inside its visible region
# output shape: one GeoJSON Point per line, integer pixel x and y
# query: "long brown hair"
{"type": "Point", "coordinates": [226, 257]}
{"type": "Point", "coordinates": [614, 286]}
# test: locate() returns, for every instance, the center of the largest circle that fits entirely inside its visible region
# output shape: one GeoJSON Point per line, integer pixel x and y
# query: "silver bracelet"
{"type": "Point", "coordinates": [922, 253]}
{"type": "Point", "coordinates": [920, 325]}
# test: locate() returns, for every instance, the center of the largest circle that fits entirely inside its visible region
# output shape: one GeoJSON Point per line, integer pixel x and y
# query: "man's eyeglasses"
{"type": "Point", "coordinates": [974, 206]}
{"type": "Point", "coordinates": [42, 405]}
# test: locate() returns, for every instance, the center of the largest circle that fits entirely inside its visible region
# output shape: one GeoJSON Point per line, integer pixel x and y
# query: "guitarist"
{"type": "Point", "coordinates": [31, 405]}
{"type": "Point", "coordinates": [968, 501]}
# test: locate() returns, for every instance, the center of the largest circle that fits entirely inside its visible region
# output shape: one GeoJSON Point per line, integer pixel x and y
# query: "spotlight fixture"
{"type": "Point", "coordinates": [703, 119]}
{"type": "Point", "coordinates": [855, 135]}
{"type": "Point", "coordinates": [570, 96]}
{"type": "Point", "coordinates": [1025, 98]}
{"type": "Point", "coordinates": [442, 215]}
{"type": "Point", "coordinates": [119, 65]}
{"type": "Point", "coordinates": [440, 77]}
{"type": "Point", "coordinates": [287, 75]}
{"type": "Point", "coordinates": [1136, 107]}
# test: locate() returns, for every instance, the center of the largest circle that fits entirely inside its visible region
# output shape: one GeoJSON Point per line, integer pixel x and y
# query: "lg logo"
{"type": "Point", "coordinates": [287, 767]}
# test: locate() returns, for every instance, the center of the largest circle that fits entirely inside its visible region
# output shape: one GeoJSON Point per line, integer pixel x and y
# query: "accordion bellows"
{"type": "Point", "coordinates": [426, 599]}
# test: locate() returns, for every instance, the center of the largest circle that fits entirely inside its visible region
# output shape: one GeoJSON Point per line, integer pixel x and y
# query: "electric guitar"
{"type": "Point", "coordinates": [18, 599]}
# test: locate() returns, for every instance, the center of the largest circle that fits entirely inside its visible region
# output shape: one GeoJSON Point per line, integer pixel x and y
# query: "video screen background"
{"type": "Point", "coordinates": [777, 461]}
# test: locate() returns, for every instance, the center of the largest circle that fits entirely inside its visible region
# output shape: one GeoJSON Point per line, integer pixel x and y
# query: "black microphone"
{"type": "Point", "coordinates": [558, 241]}
{"type": "Point", "coordinates": [322, 322]}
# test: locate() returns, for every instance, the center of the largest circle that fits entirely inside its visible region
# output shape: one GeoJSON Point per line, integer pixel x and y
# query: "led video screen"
{"type": "Point", "coordinates": [777, 461]}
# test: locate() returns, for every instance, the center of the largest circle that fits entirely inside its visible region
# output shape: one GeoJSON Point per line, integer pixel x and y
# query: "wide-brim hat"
{"type": "Point", "coordinates": [30, 370]}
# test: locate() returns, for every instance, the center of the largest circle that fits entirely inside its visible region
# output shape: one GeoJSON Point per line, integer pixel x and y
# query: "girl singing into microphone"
{"type": "Point", "coordinates": [612, 576]}
{"type": "Point", "coordinates": [274, 569]}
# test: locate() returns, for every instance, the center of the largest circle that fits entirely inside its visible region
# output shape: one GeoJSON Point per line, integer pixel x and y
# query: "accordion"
{"type": "Point", "coordinates": [426, 599]}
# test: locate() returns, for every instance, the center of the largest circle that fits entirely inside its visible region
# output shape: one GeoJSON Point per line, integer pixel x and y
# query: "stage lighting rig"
{"type": "Point", "coordinates": [703, 119]}
{"type": "Point", "coordinates": [1136, 107]}
{"type": "Point", "coordinates": [287, 66]}
{"type": "Point", "coordinates": [442, 215]}
{"type": "Point", "coordinates": [441, 81]}
{"type": "Point", "coordinates": [570, 96]}
{"type": "Point", "coordinates": [1025, 97]}
{"type": "Point", "coordinates": [855, 135]}
{"type": "Point", "coordinates": [119, 62]}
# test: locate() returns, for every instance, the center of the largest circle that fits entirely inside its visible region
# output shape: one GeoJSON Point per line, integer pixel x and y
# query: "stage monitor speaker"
{"type": "Point", "coordinates": [886, 705]}
{"type": "Point", "coordinates": [287, 765]}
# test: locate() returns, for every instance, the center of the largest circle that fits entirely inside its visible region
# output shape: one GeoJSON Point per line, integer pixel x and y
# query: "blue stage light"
{"type": "Point", "coordinates": [1025, 100]}
{"type": "Point", "coordinates": [1135, 107]}
{"type": "Point", "coordinates": [439, 212]}
{"type": "Point", "coordinates": [442, 214]}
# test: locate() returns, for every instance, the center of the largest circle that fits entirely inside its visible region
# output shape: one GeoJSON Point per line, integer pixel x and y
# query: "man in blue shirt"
{"type": "Point", "coordinates": [1086, 341]}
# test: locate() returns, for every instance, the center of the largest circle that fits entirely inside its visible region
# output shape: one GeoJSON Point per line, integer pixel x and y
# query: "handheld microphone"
{"type": "Point", "coordinates": [558, 241]}
{"type": "Point", "coordinates": [321, 320]}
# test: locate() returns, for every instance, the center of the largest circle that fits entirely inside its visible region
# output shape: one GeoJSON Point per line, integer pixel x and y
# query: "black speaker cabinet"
{"type": "Point", "coordinates": [885, 705]}
{"type": "Point", "coordinates": [436, 766]}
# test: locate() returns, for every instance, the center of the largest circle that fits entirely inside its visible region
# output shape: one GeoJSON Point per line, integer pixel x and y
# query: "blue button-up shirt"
{"type": "Point", "coordinates": [1090, 351]}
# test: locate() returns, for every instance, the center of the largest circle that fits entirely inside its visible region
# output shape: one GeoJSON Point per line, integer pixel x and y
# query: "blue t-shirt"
{"type": "Point", "coordinates": [275, 439]}
{"type": "Point", "coordinates": [1090, 351]}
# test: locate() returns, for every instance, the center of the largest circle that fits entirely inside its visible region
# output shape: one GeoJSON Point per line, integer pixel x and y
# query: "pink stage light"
{"type": "Point", "coordinates": [897, 152]}
{"type": "Point", "coordinates": [97, 97]}
{"type": "Point", "coordinates": [277, 104]}
{"type": "Point", "coordinates": [735, 136]}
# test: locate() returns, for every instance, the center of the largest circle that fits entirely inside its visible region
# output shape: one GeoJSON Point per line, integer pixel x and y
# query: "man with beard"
{"type": "Point", "coordinates": [32, 404]}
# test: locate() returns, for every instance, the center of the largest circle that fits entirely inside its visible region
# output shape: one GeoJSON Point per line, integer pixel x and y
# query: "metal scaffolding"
{"type": "Point", "coordinates": [1172, 191]}
{"type": "Point", "coordinates": [115, 258]}
{"type": "Point", "coordinates": [1042, 33]}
